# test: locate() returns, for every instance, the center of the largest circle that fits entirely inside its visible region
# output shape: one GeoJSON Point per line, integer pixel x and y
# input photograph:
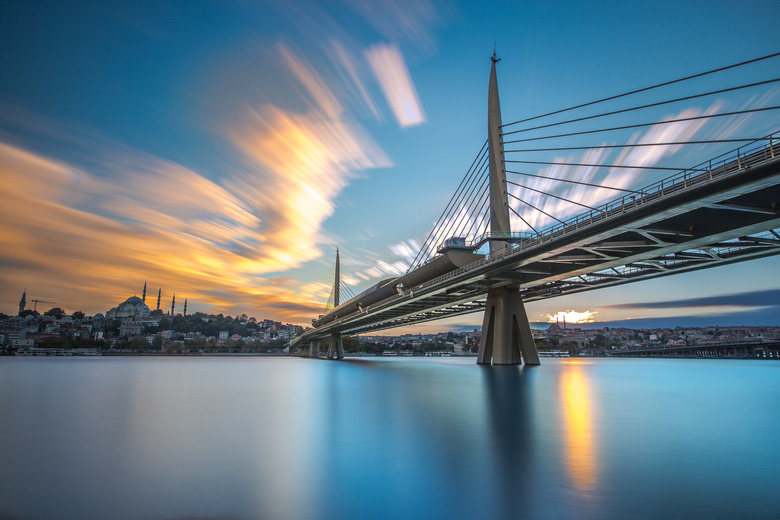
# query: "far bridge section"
{"type": "Point", "coordinates": [745, 349]}
{"type": "Point", "coordinates": [698, 219]}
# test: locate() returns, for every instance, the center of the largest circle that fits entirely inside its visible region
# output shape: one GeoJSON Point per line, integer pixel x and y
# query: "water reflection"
{"type": "Point", "coordinates": [163, 439]}
{"type": "Point", "coordinates": [508, 435]}
{"type": "Point", "coordinates": [578, 425]}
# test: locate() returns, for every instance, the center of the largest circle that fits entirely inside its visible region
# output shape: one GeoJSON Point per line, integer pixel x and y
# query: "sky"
{"type": "Point", "coordinates": [221, 151]}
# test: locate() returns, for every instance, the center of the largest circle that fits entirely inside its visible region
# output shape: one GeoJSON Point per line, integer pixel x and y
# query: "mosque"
{"type": "Point", "coordinates": [135, 307]}
{"type": "Point", "coordinates": [136, 315]}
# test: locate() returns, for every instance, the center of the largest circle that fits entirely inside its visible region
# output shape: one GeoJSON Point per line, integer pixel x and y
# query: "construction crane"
{"type": "Point", "coordinates": [35, 302]}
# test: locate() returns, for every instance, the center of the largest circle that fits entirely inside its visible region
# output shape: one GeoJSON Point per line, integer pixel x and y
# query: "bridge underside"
{"type": "Point", "coordinates": [706, 222]}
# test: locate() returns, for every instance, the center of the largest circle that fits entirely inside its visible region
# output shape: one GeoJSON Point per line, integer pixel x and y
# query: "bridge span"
{"type": "Point", "coordinates": [716, 213]}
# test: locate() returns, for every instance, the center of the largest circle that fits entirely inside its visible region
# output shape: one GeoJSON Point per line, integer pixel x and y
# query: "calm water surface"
{"type": "Point", "coordinates": [277, 438]}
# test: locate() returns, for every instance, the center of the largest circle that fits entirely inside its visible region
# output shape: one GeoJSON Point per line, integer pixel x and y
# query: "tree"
{"type": "Point", "coordinates": [78, 315]}
{"type": "Point", "coordinates": [56, 312]}
{"type": "Point", "coordinates": [138, 343]}
{"type": "Point", "coordinates": [351, 344]}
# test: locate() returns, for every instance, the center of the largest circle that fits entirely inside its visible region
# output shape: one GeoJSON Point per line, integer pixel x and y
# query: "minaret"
{"type": "Point", "coordinates": [23, 302]}
{"type": "Point", "coordinates": [173, 304]}
{"type": "Point", "coordinates": [185, 306]}
{"type": "Point", "coordinates": [159, 293]}
{"type": "Point", "coordinates": [143, 298]}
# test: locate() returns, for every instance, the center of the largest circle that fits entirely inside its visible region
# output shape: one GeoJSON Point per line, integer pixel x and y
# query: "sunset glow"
{"type": "Point", "coordinates": [572, 317]}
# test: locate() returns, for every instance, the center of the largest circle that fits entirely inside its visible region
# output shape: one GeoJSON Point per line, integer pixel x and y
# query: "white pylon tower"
{"type": "Point", "coordinates": [506, 334]}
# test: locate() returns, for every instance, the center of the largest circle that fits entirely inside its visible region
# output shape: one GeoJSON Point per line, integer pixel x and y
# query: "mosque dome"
{"type": "Point", "coordinates": [131, 307]}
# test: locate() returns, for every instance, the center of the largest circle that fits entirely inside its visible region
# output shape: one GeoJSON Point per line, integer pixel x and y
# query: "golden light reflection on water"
{"type": "Point", "coordinates": [578, 422]}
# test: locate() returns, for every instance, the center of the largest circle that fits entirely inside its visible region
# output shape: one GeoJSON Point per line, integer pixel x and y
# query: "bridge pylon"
{"type": "Point", "coordinates": [506, 334]}
{"type": "Point", "coordinates": [336, 347]}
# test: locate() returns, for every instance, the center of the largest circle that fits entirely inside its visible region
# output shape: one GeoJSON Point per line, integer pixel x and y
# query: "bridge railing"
{"type": "Point", "coordinates": [728, 163]}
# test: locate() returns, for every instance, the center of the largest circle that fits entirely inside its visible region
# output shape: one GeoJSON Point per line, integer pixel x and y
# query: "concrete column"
{"type": "Point", "coordinates": [335, 348]}
{"type": "Point", "coordinates": [506, 334]}
{"type": "Point", "coordinates": [314, 348]}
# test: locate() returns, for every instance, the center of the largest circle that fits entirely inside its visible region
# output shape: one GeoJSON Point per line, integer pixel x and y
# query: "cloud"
{"type": "Point", "coordinates": [73, 237]}
{"type": "Point", "coordinates": [401, 19]}
{"type": "Point", "coordinates": [350, 67]}
{"type": "Point", "coordinates": [393, 76]}
{"type": "Point", "coordinates": [768, 298]}
{"type": "Point", "coordinates": [406, 249]}
{"type": "Point", "coordinates": [296, 163]}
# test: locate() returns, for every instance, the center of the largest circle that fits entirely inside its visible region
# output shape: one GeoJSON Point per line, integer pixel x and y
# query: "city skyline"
{"type": "Point", "coordinates": [224, 152]}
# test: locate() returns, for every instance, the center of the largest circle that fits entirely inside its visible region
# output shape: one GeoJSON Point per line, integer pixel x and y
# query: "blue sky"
{"type": "Point", "coordinates": [222, 150]}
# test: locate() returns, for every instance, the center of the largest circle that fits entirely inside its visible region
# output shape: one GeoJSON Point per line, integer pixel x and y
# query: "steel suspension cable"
{"type": "Point", "coordinates": [482, 151]}
{"type": "Point", "coordinates": [485, 201]}
{"type": "Point", "coordinates": [645, 89]}
{"type": "Point", "coordinates": [534, 207]}
{"type": "Point", "coordinates": [581, 183]}
{"type": "Point", "coordinates": [451, 220]}
{"type": "Point", "coordinates": [551, 195]}
{"type": "Point", "coordinates": [607, 166]}
{"type": "Point", "coordinates": [643, 106]}
{"type": "Point", "coordinates": [521, 218]}
{"type": "Point", "coordinates": [447, 229]}
{"type": "Point", "coordinates": [636, 145]}
{"type": "Point", "coordinates": [476, 195]}
{"type": "Point", "coordinates": [625, 127]}
{"type": "Point", "coordinates": [346, 289]}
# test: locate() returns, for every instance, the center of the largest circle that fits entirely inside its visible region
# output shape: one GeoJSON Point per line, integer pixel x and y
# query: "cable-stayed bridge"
{"type": "Point", "coordinates": [719, 212]}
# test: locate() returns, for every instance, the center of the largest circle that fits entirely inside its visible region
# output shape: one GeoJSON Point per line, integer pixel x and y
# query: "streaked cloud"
{"type": "Point", "coordinates": [768, 298]}
{"type": "Point", "coordinates": [410, 20]}
{"type": "Point", "coordinates": [393, 76]}
{"type": "Point", "coordinates": [296, 163]}
{"type": "Point", "coordinates": [350, 66]}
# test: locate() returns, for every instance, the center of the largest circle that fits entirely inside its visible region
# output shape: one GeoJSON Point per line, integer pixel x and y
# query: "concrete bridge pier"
{"type": "Point", "coordinates": [336, 347]}
{"type": "Point", "coordinates": [506, 334]}
{"type": "Point", "coordinates": [314, 348]}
